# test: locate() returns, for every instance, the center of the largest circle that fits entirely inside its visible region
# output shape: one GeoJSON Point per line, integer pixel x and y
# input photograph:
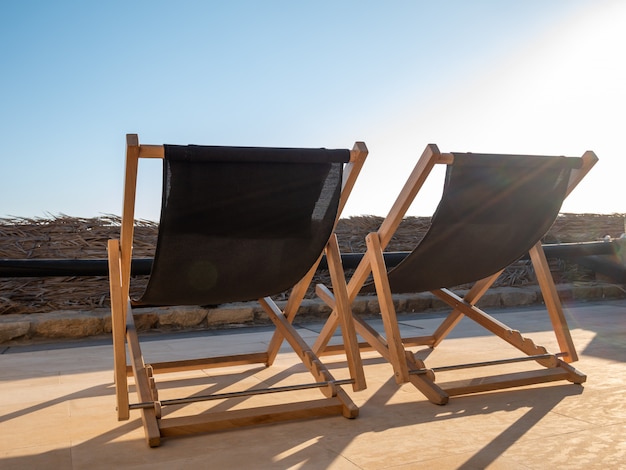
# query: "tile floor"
{"type": "Point", "coordinates": [57, 406]}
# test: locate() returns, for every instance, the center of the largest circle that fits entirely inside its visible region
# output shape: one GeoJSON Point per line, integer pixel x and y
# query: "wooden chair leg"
{"type": "Point", "coordinates": [118, 327]}
{"type": "Point", "coordinates": [388, 312]}
{"type": "Point", "coordinates": [337, 275]}
{"type": "Point", "coordinates": [553, 303]}
{"type": "Point", "coordinates": [142, 383]}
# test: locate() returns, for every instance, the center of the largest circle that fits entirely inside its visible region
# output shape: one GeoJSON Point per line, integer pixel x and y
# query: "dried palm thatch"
{"type": "Point", "coordinates": [65, 237]}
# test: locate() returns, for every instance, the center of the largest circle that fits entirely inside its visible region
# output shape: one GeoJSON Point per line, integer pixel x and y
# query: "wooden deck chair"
{"type": "Point", "coordinates": [237, 224]}
{"type": "Point", "coordinates": [494, 209]}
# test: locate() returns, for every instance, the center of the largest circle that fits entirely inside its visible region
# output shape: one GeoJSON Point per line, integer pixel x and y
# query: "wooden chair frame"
{"type": "Point", "coordinates": [336, 400]}
{"type": "Point", "coordinates": [407, 368]}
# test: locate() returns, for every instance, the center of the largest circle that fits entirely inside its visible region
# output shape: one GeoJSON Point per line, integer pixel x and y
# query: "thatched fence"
{"type": "Point", "coordinates": [65, 237]}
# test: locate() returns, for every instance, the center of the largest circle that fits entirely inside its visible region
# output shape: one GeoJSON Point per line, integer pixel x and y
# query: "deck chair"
{"type": "Point", "coordinates": [494, 209]}
{"type": "Point", "coordinates": [237, 224]}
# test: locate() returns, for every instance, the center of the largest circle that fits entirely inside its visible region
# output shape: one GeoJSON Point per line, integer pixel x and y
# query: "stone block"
{"type": "Point", "coordinates": [359, 306]}
{"type": "Point", "coordinates": [399, 302]}
{"type": "Point", "coordinates": [145, 319]}
{"type": "Point", "coordinates": [313, 309]}
{"type": "Point", "coordinates": [418, 302]}
{"type": "Point", "coordinates": [107, 325]}
{"type": "Point", "coordinates": [515, 296]}
{"type": "Point", "coordinates": [587, 292]}
{"type": "Point", "coordinates": [371, 304]}
{"type": "Point", "coordinates": [612, 291]}
{"type": "Point", "coordinates": [66, 324]}
{"type": "Point", "coordinates": [320, 309]}
{"type": "Point", "coordinates": [564, 291]}
{"type": "Point", "coordinates": [13, 327]}
{"type": "Point", "coordinates": [182, 317]}
{"type": "Point", "coordinates": [490, 299]}
{"type": "Point", "coordinates": [230, 314]}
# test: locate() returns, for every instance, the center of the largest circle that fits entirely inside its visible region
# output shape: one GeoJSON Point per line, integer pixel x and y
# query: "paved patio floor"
{"type": "Point", "coordinates": [57, 405]}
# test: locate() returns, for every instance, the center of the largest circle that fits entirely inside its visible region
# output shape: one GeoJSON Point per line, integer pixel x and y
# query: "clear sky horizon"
{"type": "Point", "coordinates": [531, 77]}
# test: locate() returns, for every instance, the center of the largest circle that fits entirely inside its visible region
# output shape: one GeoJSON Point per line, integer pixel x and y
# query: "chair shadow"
{"type": "Point", "coordinates": [320, 445]}
{"type": "Point", "coordinates": [318, 434]}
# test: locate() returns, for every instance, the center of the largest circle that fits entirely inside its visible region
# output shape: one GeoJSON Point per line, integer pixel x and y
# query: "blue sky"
{"type": "Point", "coordinates": [536, 76]}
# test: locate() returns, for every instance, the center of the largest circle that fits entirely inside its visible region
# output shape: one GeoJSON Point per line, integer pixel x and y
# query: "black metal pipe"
{"type": "Point", "coordinates": [142, 266]}
{"type": "Point", "coordinates": [66, 267]}
{"type": "Point", "coordinates": [606, 265]}
{"type": "Point", "coordinates": [577, 250]}
{"type": "Point", "coordinates": [558, 250]}
{"type": "Point", "coordinates": [352, 260]}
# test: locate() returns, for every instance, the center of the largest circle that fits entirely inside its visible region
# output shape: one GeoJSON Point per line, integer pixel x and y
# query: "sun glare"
{"type": "Point", "coordinates": [560, 93]}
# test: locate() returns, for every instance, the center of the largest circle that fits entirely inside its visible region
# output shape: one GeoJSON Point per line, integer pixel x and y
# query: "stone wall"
{"type": "Point", "coordinates": [97, 322]}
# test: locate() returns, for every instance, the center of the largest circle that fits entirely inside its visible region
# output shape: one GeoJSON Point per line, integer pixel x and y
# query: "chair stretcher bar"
{"type": "Point", "coordinates": [142, 266]}
{"type": "Point", "coordinates": [246, 393]}
{"type": "Point", "coordinates": [495, 362]}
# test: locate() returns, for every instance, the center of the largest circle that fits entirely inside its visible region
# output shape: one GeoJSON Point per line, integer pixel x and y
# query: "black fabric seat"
{"type": "Point", "coordinates": [493, 210]}
{"type": "Point", "coordinates": [241, 223]}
